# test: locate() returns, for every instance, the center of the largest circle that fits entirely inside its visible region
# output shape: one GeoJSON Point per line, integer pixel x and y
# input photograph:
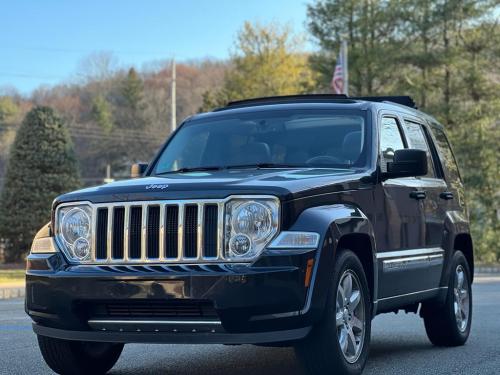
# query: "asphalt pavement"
{"type": "Point", "coordinates": [399, 346]}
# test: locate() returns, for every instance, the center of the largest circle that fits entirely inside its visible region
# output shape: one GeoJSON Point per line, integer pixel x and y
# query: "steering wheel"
{"type": "Point", "coordinates": [325, 159]}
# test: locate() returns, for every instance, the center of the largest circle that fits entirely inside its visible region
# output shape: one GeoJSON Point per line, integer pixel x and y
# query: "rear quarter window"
{"type": "Point", "coordinates": [446, 155]}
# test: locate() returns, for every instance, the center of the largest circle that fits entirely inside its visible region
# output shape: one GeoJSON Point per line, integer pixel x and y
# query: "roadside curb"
{"type": "Point", "coordinates": [487, 270]}
{"type": "Point", "coordinates": [12, 292]}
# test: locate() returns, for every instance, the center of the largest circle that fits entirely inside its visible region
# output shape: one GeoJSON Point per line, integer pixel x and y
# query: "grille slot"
{"type": "Point", "coordinates": [158, 232]}
{"type": "Point", "coordinates": [210, 232]}
{"type": "Point", "coordinates": [190, 231]}
{"type": "Point", "coordinates": [154, 232]}
{"type": "Point", "coordinates": [172, 232]}
{"type": "Point", "coordinates": [118, 232]}
{"type": "Point", "coordinates": [135, 232]}
{"type": "Point", "coordinates": [154, 309]}
{"type": "Point", "coordinates": [102, 233]}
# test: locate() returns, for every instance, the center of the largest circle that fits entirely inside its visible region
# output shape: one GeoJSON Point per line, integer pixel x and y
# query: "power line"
{"type": "Point", "coordinates": [83, 51]}
{"type": "Point", "coordinates": [29, 76]}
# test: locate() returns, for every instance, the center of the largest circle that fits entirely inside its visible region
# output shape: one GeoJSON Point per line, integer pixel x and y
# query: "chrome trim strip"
{"type": "Point", "coordinates": [94, 231]}
{"type": "Point", "coordinates": [410, 252]}
{"type": "Point", "coordinates": [399, 264]}
{"type": "Point", "coordinates": [220, 232]}
{"type": "Point", "coordinates": [163, 254]}
{"type": "Point", "coordinates": [109, 235]}
{"type": "Point", "coordinates": [158, 322]}
{"type": "Point", "coordinates": [144, 231]}
{"type": "Point", "coordinates": [411, 294]}
{"type": "Point", "coordinates": [199, 238]}
{"type": "Point", "coordinates": [126, 230]}
{"type": "Point", "coordinates": [180, 232]}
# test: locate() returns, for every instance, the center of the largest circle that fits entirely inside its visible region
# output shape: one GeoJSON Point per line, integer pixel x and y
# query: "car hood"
{"type": "Point", "coordinates": [284, 183]}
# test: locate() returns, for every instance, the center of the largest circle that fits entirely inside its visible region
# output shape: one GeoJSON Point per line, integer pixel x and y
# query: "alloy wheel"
{"type": "Point", "coordinates": [350, 316]}
{"type": "Point", "coordinates": [461, 294]}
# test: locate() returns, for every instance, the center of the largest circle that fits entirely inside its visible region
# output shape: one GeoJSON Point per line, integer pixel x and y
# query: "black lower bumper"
{"type": "Point", "coordinates": [251, 304]}
{"type": "Point", "coordinates": [175, 338]}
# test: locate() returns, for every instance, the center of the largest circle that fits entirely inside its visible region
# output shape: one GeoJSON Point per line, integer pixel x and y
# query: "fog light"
{"type": "Point", "coordinates": [240, 244]}
{"type": "Point", "coordinates": [81, 248]}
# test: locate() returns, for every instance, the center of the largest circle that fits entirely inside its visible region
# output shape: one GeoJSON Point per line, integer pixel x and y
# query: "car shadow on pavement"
{"type": "Point", "coordinates": [396, 349]}
{"type": "Point", "coordinates": [249, 360]}
{"type": "Point", "coordinates": [241, 360]}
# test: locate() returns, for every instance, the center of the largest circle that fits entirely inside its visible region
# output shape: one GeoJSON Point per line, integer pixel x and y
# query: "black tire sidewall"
{"type": "Point", "coordinates": [322, 351]}
{"type": "Point", "coordinates": [71, 357]}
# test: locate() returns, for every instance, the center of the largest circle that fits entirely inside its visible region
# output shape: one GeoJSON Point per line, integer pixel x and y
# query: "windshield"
{"type": "Point", "coordinates": [270, 139]}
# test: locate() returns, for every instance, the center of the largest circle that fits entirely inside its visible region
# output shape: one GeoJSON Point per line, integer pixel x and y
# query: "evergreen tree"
{"type": "Point", "coordinates": [102, 113]}
{"type": "Point", "coordinates": [372, 31]}
{"type": "Point", "coordinates": [41, 166]}
{"type": "Point", "coordinates": [133, 90]}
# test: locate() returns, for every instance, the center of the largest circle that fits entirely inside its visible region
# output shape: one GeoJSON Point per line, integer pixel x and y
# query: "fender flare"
{"type": "Point", "coordinates": [332, 222]}
{"type": "Point", "coordinates": [456, 223]}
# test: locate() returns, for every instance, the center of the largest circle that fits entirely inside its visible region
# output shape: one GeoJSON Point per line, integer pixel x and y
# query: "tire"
{"type": "Point", "coordinates": [443, 326]}
{"type": "Point", "coordinates": [78, 357]}
{"type": "Point", "coordinates": [321, 352]}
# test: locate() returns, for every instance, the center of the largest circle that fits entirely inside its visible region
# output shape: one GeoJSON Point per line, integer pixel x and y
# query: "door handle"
{"type": "Point", "coordinates": [446, 195]}
{"type": "Point", "coordinates": [418, 194]}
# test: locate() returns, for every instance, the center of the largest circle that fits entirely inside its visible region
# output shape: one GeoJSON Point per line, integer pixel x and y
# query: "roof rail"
{"type": "Point", "coordinates": [312, 98]}
{"type": "Point", "coordinates": [287, 99]}
{"type": "Point", "coordinates": [402, 99]}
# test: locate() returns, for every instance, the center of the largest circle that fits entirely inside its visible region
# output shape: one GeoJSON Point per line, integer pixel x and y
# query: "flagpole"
{"type": "Point", "coordinates": [346, 67]}
{"type": "Point", "coordinates": [173, 100]}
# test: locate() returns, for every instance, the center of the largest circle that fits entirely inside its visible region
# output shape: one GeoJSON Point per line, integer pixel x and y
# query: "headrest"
{"type": "Point", "coordinates": [351, 146]}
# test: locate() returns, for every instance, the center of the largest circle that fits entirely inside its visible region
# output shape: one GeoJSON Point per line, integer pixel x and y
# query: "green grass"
{"type": "Point", "coordinates": [11, 276]}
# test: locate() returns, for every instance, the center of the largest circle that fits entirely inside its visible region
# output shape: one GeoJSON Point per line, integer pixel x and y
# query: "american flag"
{"type": "Point", "coordinates": [338, 75]}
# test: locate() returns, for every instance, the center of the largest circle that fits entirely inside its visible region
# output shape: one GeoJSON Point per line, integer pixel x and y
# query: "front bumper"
{"type": "Point", "coordinates": [177, 338]}
{"type": "Point", "coordinates": [261, 303]}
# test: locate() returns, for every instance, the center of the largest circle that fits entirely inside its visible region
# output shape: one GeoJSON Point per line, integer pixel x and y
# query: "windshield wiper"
{"type": "Point", "coordinates": [264, 165]}
{"type": "Point", "coordinates": [242, 166]}
{"type": "Point", "coordinates": [194, 169]}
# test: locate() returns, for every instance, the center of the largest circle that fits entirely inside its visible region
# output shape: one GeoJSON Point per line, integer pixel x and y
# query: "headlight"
{"type": "Point", "coordinates": [249, 226]}
{"type": "Point", "coordinates": [73, 231]}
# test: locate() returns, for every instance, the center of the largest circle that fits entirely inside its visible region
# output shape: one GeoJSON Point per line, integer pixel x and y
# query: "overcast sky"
{"type": "Point", "coordinates": [42, 42]}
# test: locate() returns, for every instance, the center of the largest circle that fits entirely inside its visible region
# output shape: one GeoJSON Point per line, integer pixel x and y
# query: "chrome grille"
{"type": "Point", "coordinates": [158, 232]}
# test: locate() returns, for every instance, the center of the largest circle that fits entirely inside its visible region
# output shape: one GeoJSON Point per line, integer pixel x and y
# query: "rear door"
{"type": "Point", "coordinates": [432, 185]}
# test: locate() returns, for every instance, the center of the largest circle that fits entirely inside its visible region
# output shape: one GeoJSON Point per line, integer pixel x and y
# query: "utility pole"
{"type": "Point", "coordinates": [108, 178]}
{"type": "Point", "coordinates": [346, 66]}
{"type": "Point", "coordinates": [173, 100]}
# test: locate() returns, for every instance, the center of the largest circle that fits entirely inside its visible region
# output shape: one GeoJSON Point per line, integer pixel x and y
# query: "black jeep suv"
{"type": "Point", "coordinates": [275, 221]}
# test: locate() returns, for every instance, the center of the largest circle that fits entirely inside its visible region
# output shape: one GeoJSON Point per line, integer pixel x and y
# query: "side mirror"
{"type": "Point", "coordinates": [407, 163]}
{"type": "Point", "coordinates": [138, 169]}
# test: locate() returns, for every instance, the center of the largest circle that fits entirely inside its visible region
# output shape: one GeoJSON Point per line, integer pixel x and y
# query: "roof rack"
{"type": "Point", "coordinates": [311, 98]}
{"type": "Point", "coordinates": [314, 98]}
{"type": "Point", "coordinates": [402, 99]}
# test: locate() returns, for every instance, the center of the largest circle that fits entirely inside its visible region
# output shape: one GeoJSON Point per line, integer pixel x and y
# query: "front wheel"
{"type": "Point", "coordinates": [339, 343]}
{"type": "Point", "coordinates": [449, 324]}
{"type": "Point", "coordinates": [78, 357]}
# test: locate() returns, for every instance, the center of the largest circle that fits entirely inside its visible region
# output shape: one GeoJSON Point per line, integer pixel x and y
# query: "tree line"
{"type": "Point", "coordinates": [444, 53]}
